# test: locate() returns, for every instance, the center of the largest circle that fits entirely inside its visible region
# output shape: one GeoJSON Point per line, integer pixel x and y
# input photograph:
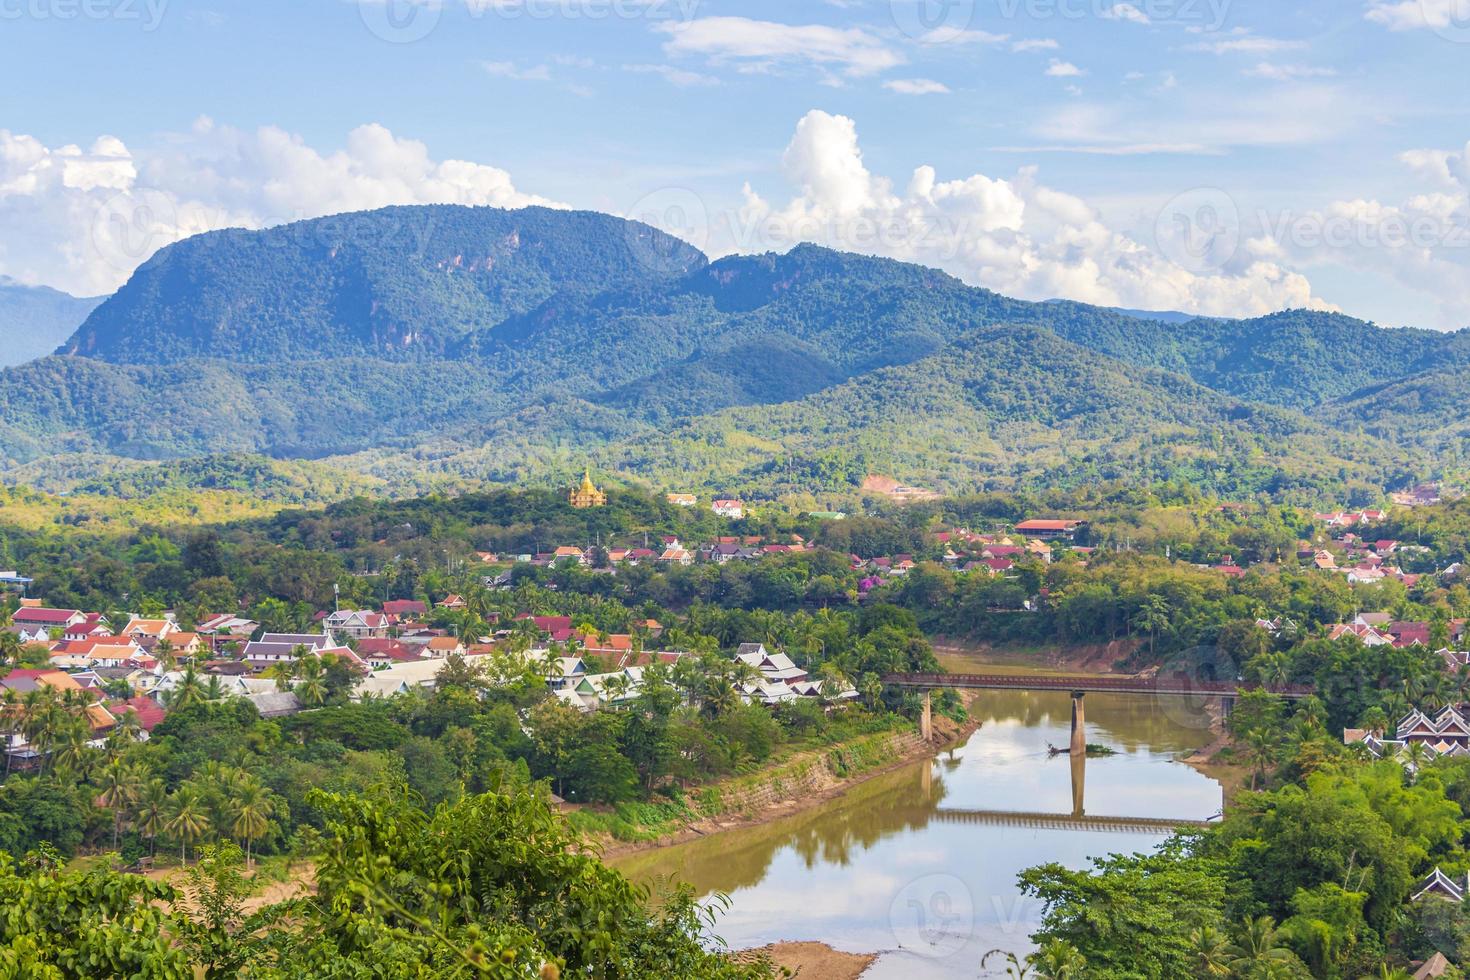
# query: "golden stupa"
{"type": "Point", "coordinates": [587, 495]}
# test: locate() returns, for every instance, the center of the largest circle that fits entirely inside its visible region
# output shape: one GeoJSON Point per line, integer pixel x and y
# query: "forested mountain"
{"type": "Point", "coordinates": [34, 320]}
{"type": "Point", "coordinates": [398, 282]}
{"type": "Point", "coordinates": [479, 344]}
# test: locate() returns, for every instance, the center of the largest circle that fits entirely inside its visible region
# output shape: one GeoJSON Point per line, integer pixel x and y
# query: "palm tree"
{"type": "Point", "coordinates": [833, 680]}
{"type": "Point", "coordinates": [1260, 751]}
{"type": "Point", "coordinates": [12, 720]}
{"type": "Point", "coordinates": [1255, 947]}
{"type": "Point", "coordinates": [152, 812]}
{"type": "Point", "coordinates": [1273, 669]}
{"type": "Point", "coordinates": [311, 685]}
{"type": "Point", "coordinates": [1211, 958]}
{"type": "Point", "coordinates": [119, 785]}
{"type": "Point", "coordinates": [1417, 755]}
{"type": "Point", "coordinates": [1058, 960]}
{"type": "Point", "coordinates": [282, 672]}
{"type": "Point", "coordinates": [189, 690]}
{"type": "Point", "coordinates": [9, 647]}
{"type": "Point", "coordinates": [253, 809]}
{"type": "Point", "coordinates": [1386, 972]}
{"type": "Point", "coordinates": [187, 820]}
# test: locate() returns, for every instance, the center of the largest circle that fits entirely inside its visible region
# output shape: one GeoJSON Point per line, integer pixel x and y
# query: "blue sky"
{"type": "Point", "coordinates": [1224, 156]}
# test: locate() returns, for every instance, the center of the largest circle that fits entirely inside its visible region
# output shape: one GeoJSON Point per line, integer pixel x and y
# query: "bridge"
{"type": "Point", "coordinates": [1066, 821]}
{"type": "Point", "coordinates": [1078, 685]}
{"type": "Point", "coordinates": [1174, 685]}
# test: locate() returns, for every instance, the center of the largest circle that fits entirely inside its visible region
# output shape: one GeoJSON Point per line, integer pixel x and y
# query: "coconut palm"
{"type": "Point", "coordinates": [188, 820]}
{"type": "Point", "coordinates": [151, 812]}
{"type": "Point", "coordinates": [1256, 948]}
{"type": "Point", "coordinates": [1058, 960]}
{"type": "Point", "coordinates": [1211, 956]}
{"type": "Point", "coordinates": [1260, 752]}
{"type": "Point", "coordinates": [283, 672]}
{"type": "Point", "coordinates": [189, 690]}
{"type": "Point", "coordinates": [119, 786]}
{"type": "Point", "coordinates": [253, 809]}
{"type": "Point", "coordinates": [311, 683]}
{"type": "Point", "coordinates": [833, 680]}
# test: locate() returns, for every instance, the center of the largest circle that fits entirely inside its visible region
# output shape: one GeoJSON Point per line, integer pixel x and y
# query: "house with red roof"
{"type": "Point", "coordinates": [405, 610]}
{"type": "Point", "coordinates": [47, 618]}
{"type": "Point", "coordinates": [1049, 528]}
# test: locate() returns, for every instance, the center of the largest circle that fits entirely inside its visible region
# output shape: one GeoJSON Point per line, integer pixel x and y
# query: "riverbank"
{"type": "Point", "coordinates": [959, 656]}
{"type": "Point", "coordinates": [803, 782]}
{"type": "Point", "coordinates": [814, 961]}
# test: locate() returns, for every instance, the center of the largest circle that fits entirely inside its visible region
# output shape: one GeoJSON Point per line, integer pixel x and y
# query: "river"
{"type": "Point", "coordinates": [921, 863]}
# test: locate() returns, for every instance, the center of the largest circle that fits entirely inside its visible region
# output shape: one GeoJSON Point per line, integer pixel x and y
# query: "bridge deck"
{"type": "Point", "coordinates": [1173, 685]}
{"type": "Point", "coordinates": [1067, 821]}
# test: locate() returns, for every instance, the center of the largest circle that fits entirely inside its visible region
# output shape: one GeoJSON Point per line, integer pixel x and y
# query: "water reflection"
{"type": "Point", "coordinates": [891, 866]}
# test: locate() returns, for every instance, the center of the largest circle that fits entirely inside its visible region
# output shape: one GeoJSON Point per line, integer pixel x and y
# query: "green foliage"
{"type": "Point", "coordinates": [555, 336]}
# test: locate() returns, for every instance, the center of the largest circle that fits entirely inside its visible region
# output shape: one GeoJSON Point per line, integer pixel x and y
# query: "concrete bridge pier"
{"type": "Point", "coordinates": [1079, 726]}
{"type": "Point", "coordinates": [926, 720]}
{"type": "Point", "coordinates": [1079, 781]}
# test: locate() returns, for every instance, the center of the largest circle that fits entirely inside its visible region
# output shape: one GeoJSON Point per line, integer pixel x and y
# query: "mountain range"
{"type": "Point", "coordinates": [34, 320]}
{"type": "Point", "coordinates": [432, 345]}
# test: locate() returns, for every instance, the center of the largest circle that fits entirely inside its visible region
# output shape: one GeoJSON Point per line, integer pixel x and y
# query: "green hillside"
{"type": "Point", "coordinates": [433, 346]}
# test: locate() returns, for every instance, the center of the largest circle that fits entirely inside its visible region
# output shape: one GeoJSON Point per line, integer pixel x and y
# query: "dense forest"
{"type": "Point", "coordinates": [463, 345]}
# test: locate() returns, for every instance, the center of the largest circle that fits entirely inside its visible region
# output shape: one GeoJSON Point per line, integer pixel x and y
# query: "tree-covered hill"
{"type": "Point", "coordinates": [449, 343]}
{"type": "Point", "coordinates": [398, 282]}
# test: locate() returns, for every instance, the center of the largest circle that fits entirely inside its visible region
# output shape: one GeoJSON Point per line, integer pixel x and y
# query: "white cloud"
{"type": "Point", "coordinates": [1062, 69]}
{"type": "Point", "coordinates": [509, 69]}
{"type": "Point", "coordinates": [1247, 44]}
{"type": "Point", "coordinates": [675, 76]}
{"type": "Point", "coordinates": [1408, 15]}
{"type": "Point", "coordinates": [1014, 235]}
{"type": "Point", "coordinates": [916, 86]}
{"type": "Point", "coordinates": [1422, 243]}
{"type": "Point", "coordinates": [956, 35]}
{"type": "Point", "coordinates": [757, 43]}
{"type": "Point", "coordinates": [1035, 44]}
{"type": "Point", "coordinates": [1288, 73]}
{"type": "Point", "coordinates": [82, 220]}
{"type": "Point", "coordinates": [1206, 120]}
{"type": "Point", "coordinates": [1126, 11]}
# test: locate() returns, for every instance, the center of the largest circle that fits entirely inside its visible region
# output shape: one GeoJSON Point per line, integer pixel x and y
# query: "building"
{"type": "Point", "coordinates": [733, 509]}
{"type": "Point", "coordinates": [357, 623]}
{"type": "Point", "coordinates": [587, 495]}
{"type": "Point", "coordinates": [681, 499]}
{"type": "Point", "coordinates": [1050, 528]}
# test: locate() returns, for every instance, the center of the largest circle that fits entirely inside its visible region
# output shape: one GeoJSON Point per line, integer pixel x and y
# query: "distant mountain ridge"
{"type": "Point", "coordinates": [478, 343]}
{"type": "Point", "coordinates": [35, 320]}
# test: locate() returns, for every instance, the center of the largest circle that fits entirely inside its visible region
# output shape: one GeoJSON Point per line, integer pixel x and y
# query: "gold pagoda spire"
{"type": "Point", "coordinates": [588, 494]}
